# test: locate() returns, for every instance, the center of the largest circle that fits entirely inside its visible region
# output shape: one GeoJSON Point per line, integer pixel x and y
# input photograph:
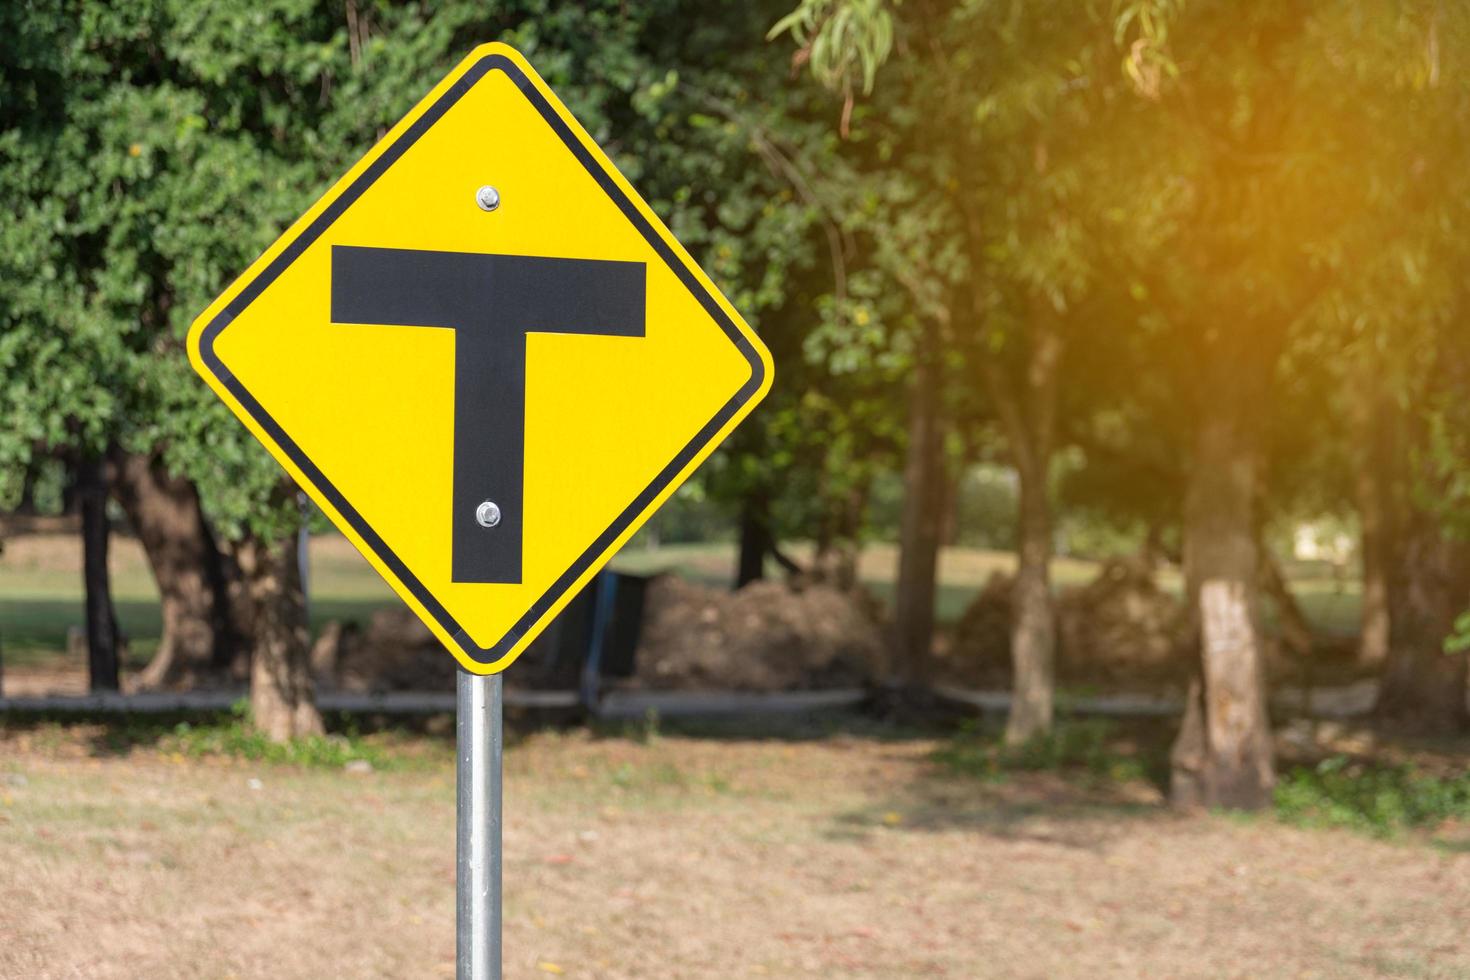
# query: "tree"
{"type": "Point", "coordinates": [845, 43]}
{"type": "Point", "coordinates": [1338, 247]}
{"type": "Point", "coordinates": [55, 409]}
{"type": "Point", "coordinates": [1423, 488]}
{"type": "Point", "coordinates": [141, 160]}
{"type": "Point", "coordinates": [1002, 122]}
{"type": "Point", "coordinates": [1393, 316]}
{"type": "Point", "coordinates": [1241, 278]}
{"type": "Point", "coordinates": [769, 232]}
{"type": "Point", "coordinates": [1043, 169]}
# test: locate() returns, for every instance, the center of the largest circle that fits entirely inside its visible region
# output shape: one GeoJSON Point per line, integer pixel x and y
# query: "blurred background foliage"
{"type": "Point", "coordinates": [1149, 278]}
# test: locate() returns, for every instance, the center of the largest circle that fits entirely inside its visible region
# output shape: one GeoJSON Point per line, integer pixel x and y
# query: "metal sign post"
{"type": "Point", "coordinates": [545, 327]}
{"type": "Point", "coordinates": [477, 860]}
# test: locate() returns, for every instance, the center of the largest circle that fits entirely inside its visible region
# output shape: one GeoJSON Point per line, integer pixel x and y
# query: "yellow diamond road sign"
{"type": "Point", "coordinates": [484, 357]}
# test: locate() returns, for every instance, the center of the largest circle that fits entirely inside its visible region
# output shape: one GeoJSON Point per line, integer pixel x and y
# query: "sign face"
{"type": "Point", "coordinates": [484, 357]}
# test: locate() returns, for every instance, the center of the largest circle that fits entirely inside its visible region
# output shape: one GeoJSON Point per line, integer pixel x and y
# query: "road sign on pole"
{"type": "Point", "coordinates": [484, 357]}
{"type": "Point", "coordinates": [488, 362]}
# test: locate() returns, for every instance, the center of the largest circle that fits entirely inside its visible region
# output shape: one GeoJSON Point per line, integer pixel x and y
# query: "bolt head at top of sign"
{"type": "Point", "coordinates": [487, 399]}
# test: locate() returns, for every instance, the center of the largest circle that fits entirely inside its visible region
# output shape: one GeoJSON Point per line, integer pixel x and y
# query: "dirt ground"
{"type": "Point", "coordinates": [686, 857]}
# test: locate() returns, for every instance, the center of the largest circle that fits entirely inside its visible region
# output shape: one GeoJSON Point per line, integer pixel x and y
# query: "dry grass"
{"type": "Point", "coordinates": [690, 858]}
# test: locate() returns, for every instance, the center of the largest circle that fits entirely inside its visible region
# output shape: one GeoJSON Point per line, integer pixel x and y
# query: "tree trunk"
{"type": "Point", "coordinates": [1153, 552]}
{"type": "Point", "coordinates": [164, 512]}
{"type": "Point", "coordinates": [282, 698]}
{"type": "Point", "coordinates": [919, 523]}
{"type": "Point", "coordinates": [835, 559]}
{"type": "Point", "coordinates": [1223, 755]}
{"type": "Point", "coordinates": [1033, 627]}
{"type": "Point", "coordinates": [102, 631]}
{"type": "Point", "coordinates": [949, 522]}
{"type": "Point", "coordinates": [1376, 625]}
{"type": "Point", "coordinates": [2, 637]}
{"type": "Point", "coordinates": [755, 539]}
{"type": "Point", "coordinates": [1423, 687]}
{"type": "Point", "coordinates": [1029, 417]}
{"type": "Point", "coordinates": [1376, 463]}
{"type": "Point", "coordinates": [233, 613]}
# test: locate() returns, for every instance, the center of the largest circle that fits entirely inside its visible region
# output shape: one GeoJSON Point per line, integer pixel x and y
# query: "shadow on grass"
{"type": "Point", "coordinates": [821, 725]}
{"type": "Point", "coordinates": [1087, 784]}
{"type": "Point", "coordinates": [1060, 822]}
{"type": "Point", "coordinates": [1080, 787]}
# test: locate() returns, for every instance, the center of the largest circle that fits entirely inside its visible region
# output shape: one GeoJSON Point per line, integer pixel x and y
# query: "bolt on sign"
{"type": "Point", "coordinates": [484, 357]}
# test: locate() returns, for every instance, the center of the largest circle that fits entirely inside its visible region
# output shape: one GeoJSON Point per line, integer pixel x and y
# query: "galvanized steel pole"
{"type": "Point", "coordinates": [477, 864]}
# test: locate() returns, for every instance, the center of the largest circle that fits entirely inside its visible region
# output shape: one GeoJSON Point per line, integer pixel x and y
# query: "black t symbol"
{"type": "Point", "coordinates": [490, 302]}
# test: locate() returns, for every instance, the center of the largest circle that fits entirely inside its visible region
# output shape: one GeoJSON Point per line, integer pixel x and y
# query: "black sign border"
{"type": "Point", "coordinates": [599, 548]}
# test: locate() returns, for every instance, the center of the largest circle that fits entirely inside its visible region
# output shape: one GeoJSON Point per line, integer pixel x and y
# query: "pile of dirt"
{"type": "Point", "coordinates": [978, 651]}
{"type": "Point", "coordinates": [396, 652]}
{"type": "Point", "coordinates": [768, 636]}
{"type": "Point", "coordinates": [1120, 627]}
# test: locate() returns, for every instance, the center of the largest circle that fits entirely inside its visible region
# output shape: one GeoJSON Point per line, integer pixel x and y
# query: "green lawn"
{"type": "Point", "coordinates": [40, 586]}
{"type": "Point", "coordinates": [41, 594]}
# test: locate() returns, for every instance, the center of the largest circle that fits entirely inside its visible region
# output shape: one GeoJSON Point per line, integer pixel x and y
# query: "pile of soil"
{"type": "Point", "coordinates": [768, 636]}
{"type": "Point", "coordinates": [1120, 627]}
{"type": "Point", "coordinates": [396, 652]}
{"type": "Point", "coordinates": [978, 651]}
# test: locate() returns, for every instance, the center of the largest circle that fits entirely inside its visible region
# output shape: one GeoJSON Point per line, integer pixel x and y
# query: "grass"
{"type": "Point", "coordinates": [238, 739]}
{"type": "Point", "coordinates": [233, 737]}
{"type": "Point", "coordinates": [698, 858]}
{"type": "Point", "coordinates": [645, 779]}
{"type": "Point", "coordinates": [1379, 800]}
